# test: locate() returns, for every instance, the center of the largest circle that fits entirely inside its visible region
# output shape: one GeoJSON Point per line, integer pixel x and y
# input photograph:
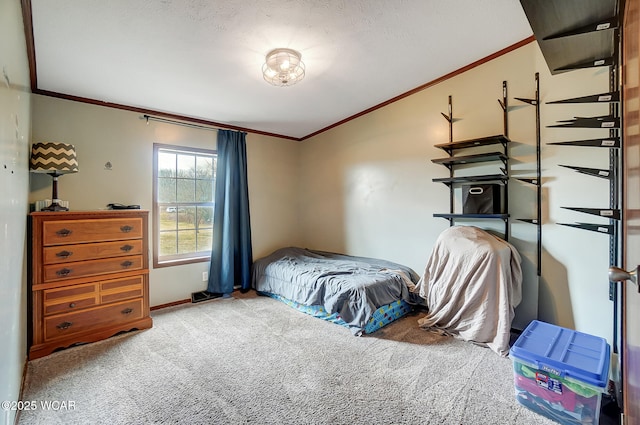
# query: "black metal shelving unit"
{"type": "Point", "coordinates": [612, 143]}
{"type": "Point", "coordinates": [578, 34]}
{"type": "Point", "coordinates": [537, 180]}
{"type": "Point", "coordinates": [612, 123]}
{"type": "Point", "coordinates": [453, 161]}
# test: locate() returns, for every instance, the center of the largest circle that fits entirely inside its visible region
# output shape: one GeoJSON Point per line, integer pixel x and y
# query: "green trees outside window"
{"type": "Point", "coordinates": [183, 202]}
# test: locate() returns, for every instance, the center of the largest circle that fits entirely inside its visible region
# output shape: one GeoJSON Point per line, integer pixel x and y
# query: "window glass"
{"type": "Point", "coordinates": [183, 204]}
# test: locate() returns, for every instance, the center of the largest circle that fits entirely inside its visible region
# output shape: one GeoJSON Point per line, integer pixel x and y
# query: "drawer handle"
{"type": "Point", "coordinates": [63, 272]}
{"type": "Point", "coordinates": [64, 232]}
{"type": "Point", "coordinates": [127, 311]}
{"type": "Point", "coordinates": [126, 248]}
{"type": "Point", "coordinates": [126, 229]}
{"type": "Point", "coordinates": [72, 305]}
{"type": "Point", "coordinates": [64, 254]}
{"type": "Point", "coordinates": [126, 264]}
{"type": "Point", "coordinates": [64, 325]}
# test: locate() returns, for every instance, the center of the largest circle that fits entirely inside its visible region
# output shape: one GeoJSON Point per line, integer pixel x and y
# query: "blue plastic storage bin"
{"type": "Point", "coordinates": [560, 373]}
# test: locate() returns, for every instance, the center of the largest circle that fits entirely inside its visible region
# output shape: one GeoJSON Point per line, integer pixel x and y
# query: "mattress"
{"type": "Point", "coordinates": [355, 292]}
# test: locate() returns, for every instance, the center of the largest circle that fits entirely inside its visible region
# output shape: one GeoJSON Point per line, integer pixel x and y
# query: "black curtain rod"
{"type": "Point", "coordinates": [176, 122]}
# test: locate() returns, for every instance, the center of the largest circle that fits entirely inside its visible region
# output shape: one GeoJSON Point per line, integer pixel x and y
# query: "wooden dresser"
{"type": "Point", "coordinates": [89, 277]}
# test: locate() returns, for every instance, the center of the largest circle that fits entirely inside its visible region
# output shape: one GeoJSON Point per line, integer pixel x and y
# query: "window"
{"type": "Point", "coordinates": [183, 202]}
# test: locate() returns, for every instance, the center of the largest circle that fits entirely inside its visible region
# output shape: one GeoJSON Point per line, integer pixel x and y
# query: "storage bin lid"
{"type": "Point", "coordinates": [564, 353]}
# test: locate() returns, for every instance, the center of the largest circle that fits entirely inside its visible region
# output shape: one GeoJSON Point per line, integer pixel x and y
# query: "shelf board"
{"type": "Point", "coordinates": [465, 179]}
{"type": "Point", "coordinates": [600, 228]}
{"type": "Point", "coordinates": [472, 143]}
{"type": "Point", "coordinates": [595, 98]}
{"type": "Point", "coordinates": [469, 159]}
{"type": "Point", "coordinates": [601, 25]}
{"type": "Point", "coordinates": [474, 216]}
{"type": "Point", "coordinates": [605, 61]}
{"type": "Point", "coordinates": [607, 142]}
{"type": "Point", "coordinates": [573, 33]}
{"type": "Point", "coordinates": [600, 212]}
{"type": "Point", "coordinates": [595, 172]}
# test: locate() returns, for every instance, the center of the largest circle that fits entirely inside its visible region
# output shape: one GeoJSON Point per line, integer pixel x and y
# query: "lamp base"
{"type": "Point", "coordinates": [55, 207]}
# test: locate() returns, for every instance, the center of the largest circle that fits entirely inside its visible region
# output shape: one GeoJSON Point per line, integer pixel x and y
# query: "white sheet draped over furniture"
{"type": "Point", "coordinates": [472, 284]}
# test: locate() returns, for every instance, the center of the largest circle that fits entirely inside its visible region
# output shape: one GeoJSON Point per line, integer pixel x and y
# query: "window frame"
{"type": "Point", "coordinates": [178, 259]}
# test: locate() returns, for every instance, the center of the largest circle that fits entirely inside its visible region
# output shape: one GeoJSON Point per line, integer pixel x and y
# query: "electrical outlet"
{"type": "Point", "coordinates": [205, 276]}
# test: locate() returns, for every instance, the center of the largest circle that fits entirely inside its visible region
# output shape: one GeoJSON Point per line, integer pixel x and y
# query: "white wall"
{"type": "Point", "coordinates": [103, 135]}
{"type": "Point", "coordinates": [366, 185]}
{"type": "Point", "coordinates": [15, 121]}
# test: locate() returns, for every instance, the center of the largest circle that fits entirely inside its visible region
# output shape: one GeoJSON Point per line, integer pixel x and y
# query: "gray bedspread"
{"type": "Point", "coordinates": [353, 287]}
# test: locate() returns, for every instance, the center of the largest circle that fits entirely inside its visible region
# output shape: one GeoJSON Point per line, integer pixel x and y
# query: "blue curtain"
{"type": "Point", "coordinates": [231, 257]}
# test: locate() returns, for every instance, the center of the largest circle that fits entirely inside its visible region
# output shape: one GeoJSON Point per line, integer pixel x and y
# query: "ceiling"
{"type": "Point", "coordinates": [202, 59]}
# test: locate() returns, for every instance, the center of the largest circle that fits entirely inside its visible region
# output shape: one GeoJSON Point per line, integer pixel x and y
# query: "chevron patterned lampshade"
{"type": "Point", "coordinates": [55, 159]}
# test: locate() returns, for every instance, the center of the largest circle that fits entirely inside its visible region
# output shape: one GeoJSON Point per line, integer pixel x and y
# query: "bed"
{"type": "Point", "coordinates": [363, 294]}
{"type": "Point", "coordinates": [471, 285]}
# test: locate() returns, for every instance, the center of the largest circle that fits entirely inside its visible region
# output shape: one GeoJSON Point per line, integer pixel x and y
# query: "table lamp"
{"type": "Point", "coordinates": [55, 159]}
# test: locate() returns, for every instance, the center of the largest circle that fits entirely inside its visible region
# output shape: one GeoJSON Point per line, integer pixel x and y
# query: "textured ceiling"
{"type": "Point", "coordinates": [203, 58]}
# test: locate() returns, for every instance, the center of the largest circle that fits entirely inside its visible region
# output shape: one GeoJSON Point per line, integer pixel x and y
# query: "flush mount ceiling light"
{"type": "Point", "coordinates": [283, 67]}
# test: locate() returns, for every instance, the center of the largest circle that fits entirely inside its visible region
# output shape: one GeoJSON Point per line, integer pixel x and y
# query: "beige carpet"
{"type": "Point", "coordinates": [254, 360]}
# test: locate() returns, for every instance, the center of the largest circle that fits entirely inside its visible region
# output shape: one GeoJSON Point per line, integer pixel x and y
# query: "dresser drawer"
{"type": "Point", "coordinates": [54, 272]}
{"type": "Point", "coordinates": [121, 289]}
{"type": "Point", "coordinates": [69, 298]}
{"type": "Point", "coordinates": [90, 251]}
{"type": "Point", "coordinates": [64, 325]}
{"type": "Point", "coordinates": [59, 232]}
